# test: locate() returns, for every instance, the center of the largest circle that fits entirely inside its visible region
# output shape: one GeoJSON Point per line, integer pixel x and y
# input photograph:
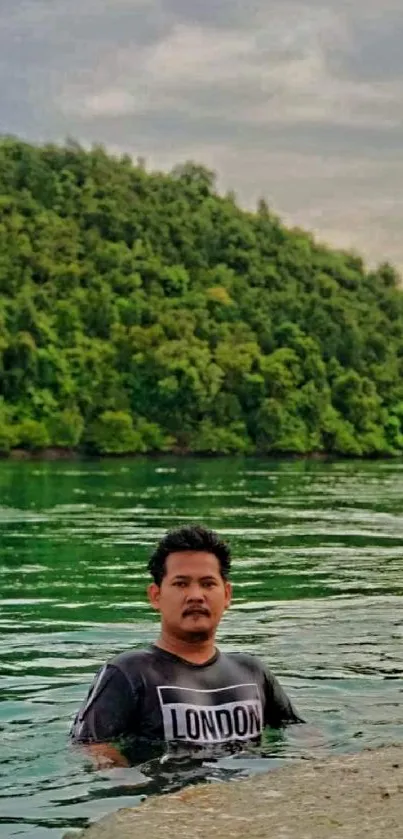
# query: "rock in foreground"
{"type": "Point", "coordinates": [345, 797]}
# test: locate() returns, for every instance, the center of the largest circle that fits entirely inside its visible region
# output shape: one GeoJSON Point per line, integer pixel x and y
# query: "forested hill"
{"type": "Point", "coordinates": [143, 312]}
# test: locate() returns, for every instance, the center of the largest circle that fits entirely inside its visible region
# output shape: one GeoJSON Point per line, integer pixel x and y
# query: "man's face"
{"type": "Point", "coordinates": [192, 596]}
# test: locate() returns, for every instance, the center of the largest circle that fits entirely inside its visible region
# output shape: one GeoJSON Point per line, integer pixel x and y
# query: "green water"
{"type": "Point", "coordinates": [318, 596]}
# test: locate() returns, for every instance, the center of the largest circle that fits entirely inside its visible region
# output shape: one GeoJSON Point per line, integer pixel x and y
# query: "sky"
{"type": "Point", "coordinates": [296, 101]}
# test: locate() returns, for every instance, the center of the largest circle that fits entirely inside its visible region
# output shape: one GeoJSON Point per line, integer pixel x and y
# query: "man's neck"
{"type": "Point", "coordinates": [197, 652]}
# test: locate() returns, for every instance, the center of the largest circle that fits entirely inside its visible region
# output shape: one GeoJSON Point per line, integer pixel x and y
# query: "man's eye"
{"type": "Point", "coordinates": [209, 584]}
{"type": "Point", "coordinates": [180, 583]}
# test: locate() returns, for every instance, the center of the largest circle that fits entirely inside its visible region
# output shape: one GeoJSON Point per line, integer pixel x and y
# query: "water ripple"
{"type": "Point", "coordinates": [317, 571]}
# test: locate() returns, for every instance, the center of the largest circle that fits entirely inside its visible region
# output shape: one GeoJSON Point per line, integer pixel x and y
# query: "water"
{"type": "Point", "coordinates": [318, 595]}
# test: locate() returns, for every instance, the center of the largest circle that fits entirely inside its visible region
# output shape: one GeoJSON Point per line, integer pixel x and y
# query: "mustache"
{"type": "Point", "coordinates": [195, 610]}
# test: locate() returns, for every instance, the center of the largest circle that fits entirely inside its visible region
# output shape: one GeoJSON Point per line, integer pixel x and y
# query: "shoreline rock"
{"type": "Point", "coordinates": [343, 797]}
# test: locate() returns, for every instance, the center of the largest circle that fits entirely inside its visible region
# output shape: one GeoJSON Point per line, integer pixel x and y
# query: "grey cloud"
{"type": "Point", "coordinates": [174, 127]}
{"type": "Point", "coordinates": [59, 30]}
{"type": "Point", "coordinates": [298, 99]}
{"type": "Point", "coordinates": [64, 35]}
{"type": "Point", "coordinates": [226, 14]}
{"type": "Point", "coordinates": [43, 43]}
{"type": "Point", "coordinates": [375, 51]}
{"type": "Point", "coordinates": [230, 14]}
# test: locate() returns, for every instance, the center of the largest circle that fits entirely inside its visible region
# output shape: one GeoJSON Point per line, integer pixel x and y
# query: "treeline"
{"type": "Point", "coordinates": [143, 312]}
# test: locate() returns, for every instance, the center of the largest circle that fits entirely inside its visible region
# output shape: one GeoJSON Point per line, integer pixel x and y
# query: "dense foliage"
{"type": "Point", "coordinates": [144, 312]}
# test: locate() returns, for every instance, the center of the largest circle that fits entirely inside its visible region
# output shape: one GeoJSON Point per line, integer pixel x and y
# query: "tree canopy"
{"type": "Point", "coordinates": [144, 312]}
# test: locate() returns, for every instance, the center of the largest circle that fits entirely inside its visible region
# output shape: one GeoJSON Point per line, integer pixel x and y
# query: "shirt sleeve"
{"type": "Point", "coordinates": [279, 711]}
{"type": "Point", "coordinates": [108, 711]}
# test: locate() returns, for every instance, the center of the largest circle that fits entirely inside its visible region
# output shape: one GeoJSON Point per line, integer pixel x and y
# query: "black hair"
{"type": "Point", "coordinates": [189, 538]}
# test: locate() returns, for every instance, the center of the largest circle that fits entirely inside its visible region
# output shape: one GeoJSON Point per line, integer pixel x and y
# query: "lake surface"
{"type": "Point", "coordinates": [318, 577]}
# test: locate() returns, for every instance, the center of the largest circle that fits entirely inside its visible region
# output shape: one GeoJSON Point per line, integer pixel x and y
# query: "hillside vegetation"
{"type": "Point", "coordinates": [144, 312]}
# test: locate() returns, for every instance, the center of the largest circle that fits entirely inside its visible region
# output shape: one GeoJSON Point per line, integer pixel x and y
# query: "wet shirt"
{"type": "Point", "coordinates": [155, 695]}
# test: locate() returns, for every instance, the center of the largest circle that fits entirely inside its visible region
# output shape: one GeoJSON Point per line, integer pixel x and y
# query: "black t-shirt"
{"type": "Point", "coordinates": [155, 695]}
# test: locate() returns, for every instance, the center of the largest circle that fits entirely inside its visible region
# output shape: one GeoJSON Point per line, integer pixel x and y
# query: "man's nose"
{"type": "Point", "coordinates": [195, 592]}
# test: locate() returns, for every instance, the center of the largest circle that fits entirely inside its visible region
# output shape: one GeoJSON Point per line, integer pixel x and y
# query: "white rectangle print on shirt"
{"type": "Point", "coordinates": [221, 715]}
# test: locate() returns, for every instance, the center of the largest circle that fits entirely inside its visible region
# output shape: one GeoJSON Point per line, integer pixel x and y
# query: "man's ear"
{"type": "Point", "coordinates": [153, 592]}
{"type": "Point", "coordinates": [228, 594]}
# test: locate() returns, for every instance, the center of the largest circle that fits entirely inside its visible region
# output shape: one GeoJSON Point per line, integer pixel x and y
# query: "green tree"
{"type": "Point", "coordinates": [31, 434]}
{"type": "Point", "coordinates": [143, 311]}
{"type": "Point", "coordinates": [66, 428]}
{"type": "Point", "coordinates": [113, 433]}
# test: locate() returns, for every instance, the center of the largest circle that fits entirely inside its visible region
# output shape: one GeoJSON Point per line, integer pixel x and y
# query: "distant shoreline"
{"type": "Point", "coordinates": [55, 454]}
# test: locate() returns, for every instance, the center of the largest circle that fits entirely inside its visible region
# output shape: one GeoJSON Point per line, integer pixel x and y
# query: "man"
{"type": "Point", "coordinates": [183, 689]}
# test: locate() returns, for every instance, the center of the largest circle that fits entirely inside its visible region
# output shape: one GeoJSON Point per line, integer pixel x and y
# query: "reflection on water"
{"type": "Point", "coordinates": [318, 593]}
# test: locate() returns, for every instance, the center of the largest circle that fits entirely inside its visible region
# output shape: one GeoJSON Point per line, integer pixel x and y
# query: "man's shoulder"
{"type": "Point", "coordinates": [247, 660]}
{"type": "Point", "coordinates": [254, 664]}
{"type": "Point", "coordinates": [131, 660]}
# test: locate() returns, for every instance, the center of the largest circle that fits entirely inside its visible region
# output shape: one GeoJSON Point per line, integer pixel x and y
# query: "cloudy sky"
{"type": "Point", "coordinates": [299, 101]}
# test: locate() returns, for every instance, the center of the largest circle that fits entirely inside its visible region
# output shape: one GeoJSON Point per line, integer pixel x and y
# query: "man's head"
{"type": "Point", "coordinates": [190, 569]}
